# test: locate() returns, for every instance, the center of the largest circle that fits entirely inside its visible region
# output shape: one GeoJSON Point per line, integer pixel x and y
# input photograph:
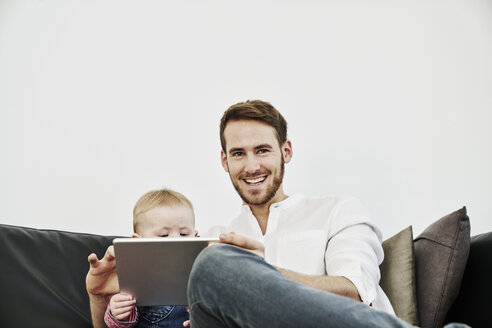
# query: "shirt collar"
{"type": "Point", "coordinates": [286, 203]}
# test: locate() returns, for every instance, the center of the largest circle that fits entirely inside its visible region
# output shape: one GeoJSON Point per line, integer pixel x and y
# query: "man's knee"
{"type": "Point", "coordinates": [210, 263]}
{"type": "Point", "coordinates": [211, 257]}
{"type": "Point", "coordinates": [210, 272]}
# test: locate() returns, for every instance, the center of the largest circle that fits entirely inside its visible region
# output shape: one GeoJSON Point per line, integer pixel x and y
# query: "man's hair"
{"type": "Point", "coordinates": [156, 198]}
{"type": "Point", "coordinates": [255, 110]}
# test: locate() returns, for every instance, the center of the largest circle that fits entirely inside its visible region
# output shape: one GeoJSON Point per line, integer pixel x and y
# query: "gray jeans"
{"type": "Point", "coordinates": [231, 287]}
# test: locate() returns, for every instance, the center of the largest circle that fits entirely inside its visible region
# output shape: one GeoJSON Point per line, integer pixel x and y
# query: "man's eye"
{"type": "Point", "coordinates": [237, 154]}
{"type": "Point", "coordinates": [262, 151]}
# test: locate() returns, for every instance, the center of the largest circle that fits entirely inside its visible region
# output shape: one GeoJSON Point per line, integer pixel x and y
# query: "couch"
{"type": "Point", "coordinates": [440, 276]}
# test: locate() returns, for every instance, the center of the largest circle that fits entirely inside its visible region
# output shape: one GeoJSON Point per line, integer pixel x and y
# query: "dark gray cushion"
{"type": "Point", "coordinates": [398, 275]}
{"type": "Point", "coordinates": [474, 303]}
{"type": "Point", "coordinates": [42, 276]}
{"type": "Point", "coordinates": [441, 252]}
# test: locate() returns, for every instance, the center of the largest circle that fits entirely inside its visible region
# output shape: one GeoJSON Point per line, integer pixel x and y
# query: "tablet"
{"type": "Point", "coordinates": [156, 270]}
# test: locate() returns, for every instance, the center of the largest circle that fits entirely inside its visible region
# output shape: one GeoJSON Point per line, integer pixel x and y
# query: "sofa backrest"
{"type": "Point", "coordinates": [42, 276]}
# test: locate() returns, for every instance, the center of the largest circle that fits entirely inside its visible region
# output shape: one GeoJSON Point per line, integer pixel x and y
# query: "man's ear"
{"type": "Point", "coordinates": [136, 235]}
{"type": "Point", "coordinates": [223, 159]}
{"type": "Point", "coordinates": [287, 151]}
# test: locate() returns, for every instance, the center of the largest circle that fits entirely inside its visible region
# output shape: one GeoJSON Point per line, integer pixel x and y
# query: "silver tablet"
{"type": "Point", "coordinates": [156, 270]}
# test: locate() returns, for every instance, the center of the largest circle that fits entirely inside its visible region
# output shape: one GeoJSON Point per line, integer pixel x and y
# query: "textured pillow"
{"type": "Point", "coordinates": [398, 275]}
{"type": "Point", "coordinates": [441, 252]}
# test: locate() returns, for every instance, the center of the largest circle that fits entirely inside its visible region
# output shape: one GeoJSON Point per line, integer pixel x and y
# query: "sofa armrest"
{"type": "Point", "coordinates": [42, 276]}
{"type": "Point", "coordinates": [474, 302]}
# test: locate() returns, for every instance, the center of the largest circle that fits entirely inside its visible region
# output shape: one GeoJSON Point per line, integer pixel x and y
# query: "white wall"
{"type": "Point", "coordinates": [101, 101]}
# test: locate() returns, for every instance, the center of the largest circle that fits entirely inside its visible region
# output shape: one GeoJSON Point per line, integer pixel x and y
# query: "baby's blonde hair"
{"type": "Point", "coordinates": [156, 198]}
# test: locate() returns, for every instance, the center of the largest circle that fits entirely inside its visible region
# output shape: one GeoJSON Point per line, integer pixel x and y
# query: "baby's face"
{"type": "Point", "coordinates": [167, 221]}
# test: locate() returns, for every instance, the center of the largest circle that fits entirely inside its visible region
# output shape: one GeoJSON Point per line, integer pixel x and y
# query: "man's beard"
{"type": "Point", "coordinates": [270, 192]}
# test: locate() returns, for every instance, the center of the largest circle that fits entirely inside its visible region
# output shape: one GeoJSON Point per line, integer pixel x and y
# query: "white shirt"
{"type": "Point", "coordinates": [330, 235]}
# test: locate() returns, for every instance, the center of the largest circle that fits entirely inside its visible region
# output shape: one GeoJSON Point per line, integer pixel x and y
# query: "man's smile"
{"type": "Point", "coordinates": [255, 181]}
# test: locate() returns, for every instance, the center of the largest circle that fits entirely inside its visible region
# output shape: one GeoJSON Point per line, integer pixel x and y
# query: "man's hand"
{"type": "Point", "coordinates": [102, 280]}
{"type": "Point", "coordinates": [244, 242]}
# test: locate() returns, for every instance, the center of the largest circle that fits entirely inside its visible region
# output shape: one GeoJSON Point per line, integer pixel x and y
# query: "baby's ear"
{"type": "Point", "coordinates": [136, 235]}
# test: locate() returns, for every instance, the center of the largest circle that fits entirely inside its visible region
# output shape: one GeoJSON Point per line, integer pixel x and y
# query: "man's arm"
{"type": "Point", "coordinates": [337, 285]}
{"type": "Point", "coordinates": [101, 283]}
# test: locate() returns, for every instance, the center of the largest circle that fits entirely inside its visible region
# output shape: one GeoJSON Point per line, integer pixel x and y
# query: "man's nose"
{"type": "Point", "coordinates": [252, 164]}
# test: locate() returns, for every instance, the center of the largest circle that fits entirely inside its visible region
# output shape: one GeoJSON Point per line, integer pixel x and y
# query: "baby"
{"type": "Point", "coordinates": [160, 213]}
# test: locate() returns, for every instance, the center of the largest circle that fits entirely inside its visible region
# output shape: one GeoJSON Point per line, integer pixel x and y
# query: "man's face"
{"type": "Point", "coordinates": [255, 161]}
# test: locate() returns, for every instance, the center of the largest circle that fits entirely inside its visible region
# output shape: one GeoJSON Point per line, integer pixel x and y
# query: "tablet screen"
{"type": "Point", "coordinates": [156, 270]}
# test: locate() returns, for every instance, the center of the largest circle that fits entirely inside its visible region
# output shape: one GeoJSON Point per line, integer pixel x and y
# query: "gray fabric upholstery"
{"type": "Point", "coordinates": [441, 252]}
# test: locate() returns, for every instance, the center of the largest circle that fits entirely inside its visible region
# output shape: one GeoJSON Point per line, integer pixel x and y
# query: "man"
{"type": "Point", "coordinates": [325, 250]}
{"type": "Point", "coordinates": [328, 243]}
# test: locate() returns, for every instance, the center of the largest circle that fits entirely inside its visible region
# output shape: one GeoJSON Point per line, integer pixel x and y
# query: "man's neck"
{"type": "Point", "coordinates": [262, 212]}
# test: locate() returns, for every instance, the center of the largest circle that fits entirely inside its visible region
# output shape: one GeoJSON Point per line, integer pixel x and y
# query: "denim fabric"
{"type": "Point", "coordinates": [162, 316]}
{"type": "Point", "coordinates": [231, 287]}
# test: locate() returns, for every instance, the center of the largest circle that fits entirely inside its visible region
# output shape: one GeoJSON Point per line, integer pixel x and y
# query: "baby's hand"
{"type": "Point", "coordinates": [187, 323]}
{"type": "Point", "coordinates": [102, 280]}
{"type": "Point", "coordinates": [121, 306]}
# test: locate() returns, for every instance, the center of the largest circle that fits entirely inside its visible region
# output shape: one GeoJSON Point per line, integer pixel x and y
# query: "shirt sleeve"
{"type": "Point", "coordinates": [112, 322]}
{"type": "Point", "coordinates": [354, 249]}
